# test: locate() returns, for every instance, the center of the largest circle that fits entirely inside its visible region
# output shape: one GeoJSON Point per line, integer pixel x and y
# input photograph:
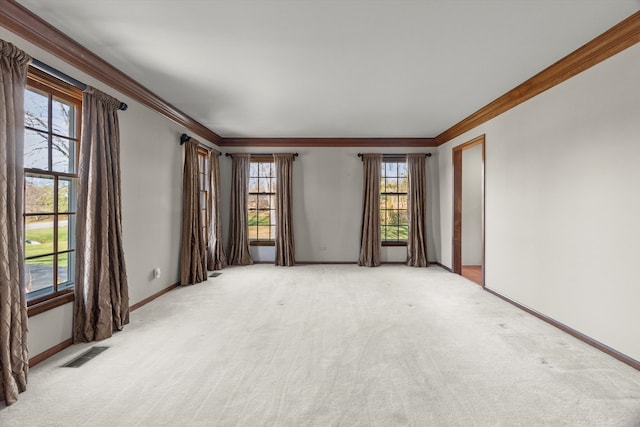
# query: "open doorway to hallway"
{"type": "Point", "coordinates": [468, 221]}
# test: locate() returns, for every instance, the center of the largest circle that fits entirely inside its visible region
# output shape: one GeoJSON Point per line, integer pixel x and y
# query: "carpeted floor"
{"type": "Point", "coordinates": [332, 346]}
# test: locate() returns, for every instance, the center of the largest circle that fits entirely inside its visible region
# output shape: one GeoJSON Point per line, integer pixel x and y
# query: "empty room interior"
{"type": "Point", "coordinates": [320, 213]}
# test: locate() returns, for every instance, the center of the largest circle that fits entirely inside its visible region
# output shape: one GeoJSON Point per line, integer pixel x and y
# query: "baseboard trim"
{"type": "Point", "coordinates": [50, 352]}
{"type": "Point", "coordinates": [324, 262]}
{"type": "Point", "coordinates": [579, 335]}
{"type": "Point", "coordinates": [441, 266]}
{"type": "Point", "coordinates": [148, 299]}
{"type": "Point", "coordinates": [67, 343]}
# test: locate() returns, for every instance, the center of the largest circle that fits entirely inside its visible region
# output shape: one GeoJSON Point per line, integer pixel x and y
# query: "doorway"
{"type": "Point", "coordinates": [468, 210]}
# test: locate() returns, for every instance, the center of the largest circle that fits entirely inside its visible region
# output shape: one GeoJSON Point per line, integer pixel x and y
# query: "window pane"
{"type": "Point", "coordinates": [263, 185]}
{"type": "Point", "coordinates": [273, 232]}
{"type": "Point", "coordinates": [392, 217]}
{"type": "Point", "coordinates": [36, 150]}
{"type": "Point", "coordinates": [263, 217]}
{"type": "Point", "coordinates": [39, 273]}
{"type": "Point", "coordinates": [273, 184]}
{"type": "Point", "coordinates": [36, 108]}
{"type": "Point", "coordinates": [403, 183]}
{"type": "Point", "coordinates": [38, 236]}
{"type": "Point", "coordinates": [66, 195]}
{"type": "Point", "coordinates": [391, 169]}
{"type": "Point", "coordinates": [253, 233]}
{"type": "Point", "coordinates": [403, 232]}
{"type": "Point", "coordinates": [253, 169]}
{"type": "Point", "coordinates": [402, 169]}
{"type": "Point", "coordinates": [253, 218]}
{"type": "Point", "coordinates": [263, 232]}
{"type": "Point", "coordinates": [265, 169]}
{"type": "Point", "coordinates": [63, 118]}
{"type": "Point", "coordinates": [69, 270]}
{"type": "Point", "coordinates": [253, 185]}
{"type": "Point", "coordinates": [63, 155]}
{"type": "Point", "coordinates": [402, 201]}
{"type": "Point", "coordinates": [383, 232]}
{"type": "Point", "coordinates": [203, 217]}
{"type": "Point", "coordinates": [64, 268]}
{"type": "Point", "coordinates": [38, 194]}
{"type": "Point", "coordinates": [66, 232]}
{"type": "Point", "coordinates": [382, 183]}
{"type": "Point", "coordinates": [403, 217]}
{"type": "Point", "coordinates": [253, 201]}
{"type": "Point", "coordinates": [263, 202]}
{"type": "Point", "coordinates": [391, 185]}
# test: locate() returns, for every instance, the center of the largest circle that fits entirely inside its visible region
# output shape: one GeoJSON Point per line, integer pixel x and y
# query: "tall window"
{"type": "Point", "coordinates": [394, 220]}
{"type": "Point", "coordinates": [262, 203]}
{"type": "Point", "coordinates": [52, 131]}
{"type": "Point", "coordinates": [203, 179]}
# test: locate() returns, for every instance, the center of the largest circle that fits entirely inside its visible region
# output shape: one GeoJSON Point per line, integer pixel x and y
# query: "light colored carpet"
{"type": "Point", "coordinates": [332, 346]}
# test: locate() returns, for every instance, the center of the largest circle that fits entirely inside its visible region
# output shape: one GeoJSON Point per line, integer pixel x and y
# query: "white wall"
{"type": "Point", "coordinates": [562, 202]}
{"type": "Point", "coordinates": [151, 164]}
{"type": "Point", "coordinates": [472, 206]}
{"type": "Point", "coordinates": [327, 204]}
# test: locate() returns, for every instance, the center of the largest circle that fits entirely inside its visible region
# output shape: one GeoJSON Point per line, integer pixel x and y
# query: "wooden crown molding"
{"type": "Point", "coordinates": [327, 142]}
{"type": "Point", "coordinates": [32, 28]}
{"type": "Point", "coordinates": [616, 39]}
{"type": "Point", "coordinates": [22, 22]}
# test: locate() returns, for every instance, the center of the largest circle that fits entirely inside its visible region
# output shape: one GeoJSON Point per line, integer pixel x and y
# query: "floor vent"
{"type": "Point", "coordinates": [216, 274]}
{"type": "Point", "coordinates": [84, 357]}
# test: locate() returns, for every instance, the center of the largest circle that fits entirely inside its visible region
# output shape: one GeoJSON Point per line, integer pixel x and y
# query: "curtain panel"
{"type": "Point", "coordinates": [239, 234]}
{"type": "Point", "coordinates": [416, 199]}
{"type": "Point", "coordinates": [14, 357]}
{"type": "Point", "coordinates": [216, 259]}
{"type": "Point", "coordinates": [101, 293]}
{"type": "Point", "coordinates": [370, 238]}
{"type": "Point", "coordinates": [285, 250]}
{"type": "Point", "coordinates": [193, 252]}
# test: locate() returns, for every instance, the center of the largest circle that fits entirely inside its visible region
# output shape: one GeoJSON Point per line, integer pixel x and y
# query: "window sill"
{"type": "Point", "coordinates": [394, 243]}
{"type": "Point", "coordinates": [50, 303]}
{"type": "Point", "coordinates": [262, 243]}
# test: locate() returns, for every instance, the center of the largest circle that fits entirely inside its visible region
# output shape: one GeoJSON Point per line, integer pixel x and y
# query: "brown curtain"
{"type": "Point", "coordinates": [216, 259]}
{"type": "Point", "coordinates": [102, 293]}
{"type": "Point", "coordinates": [193, 250]}
{"type": "Point", "coordinates": [238, 236]}
{"type": "Point", "coordinates": [285, 251]}
{"type": "Point", "coordinates": [416, 246]}
{"type": "Point", "coordinates": [370, 239]}
{"type": "Point", "coordinates": [14, 358]}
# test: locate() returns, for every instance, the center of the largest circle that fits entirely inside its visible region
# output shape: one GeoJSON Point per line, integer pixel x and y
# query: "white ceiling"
{"type": "Point", "coordinates": [330, 68]}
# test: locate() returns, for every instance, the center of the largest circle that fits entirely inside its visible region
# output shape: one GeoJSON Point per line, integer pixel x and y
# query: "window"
{"type": "Point", "coordinates": [203, 179]}
{"type": "Point", "coordinates": [52, 131]}
{"type": "Point", "coordinates": [394, 221]}
{"type": "Point", "coordinates": [262, 203]}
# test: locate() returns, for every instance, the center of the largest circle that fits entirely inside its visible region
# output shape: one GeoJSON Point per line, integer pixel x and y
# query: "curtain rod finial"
{"type": "Point", "coordinates": [184, 138]}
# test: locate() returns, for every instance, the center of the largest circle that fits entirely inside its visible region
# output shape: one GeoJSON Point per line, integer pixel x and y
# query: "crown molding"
{"type": "Point", "coordinates": [327, 142]}
{"type": "Point", "coordinates": [34, 29]}
{"type": "Point", "coordinates": [616, 39]}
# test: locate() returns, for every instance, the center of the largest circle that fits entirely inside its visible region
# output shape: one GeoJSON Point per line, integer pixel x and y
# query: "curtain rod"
{"type": "Point", "coordinates": [184, 138]}
{"type": "Point", "coordinates": [396, 155]}
{"type": "Point", "coordinates": [260, 154]}
{"type": "Point", "coordinates": [64, 77]}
